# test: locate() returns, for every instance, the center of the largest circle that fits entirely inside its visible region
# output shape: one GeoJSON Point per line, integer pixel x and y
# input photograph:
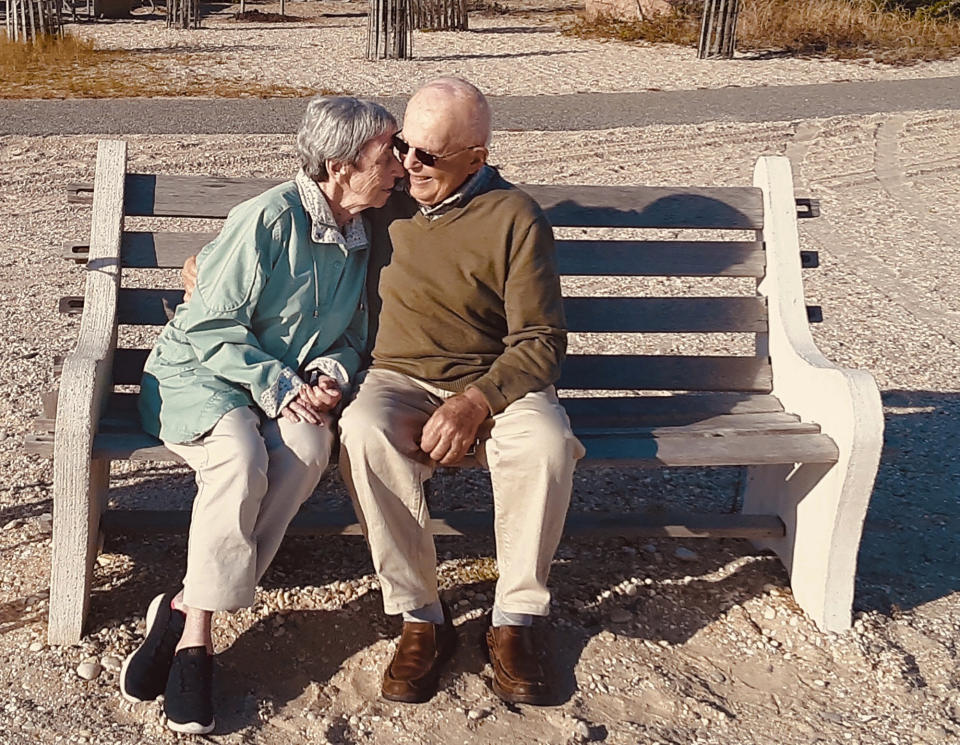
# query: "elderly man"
{"type": "Point", "coordinates": [470, 342]}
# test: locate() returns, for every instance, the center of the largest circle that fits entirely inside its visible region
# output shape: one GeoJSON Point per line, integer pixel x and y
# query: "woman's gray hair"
{"type": "Point", "coordinates": [337, 128]}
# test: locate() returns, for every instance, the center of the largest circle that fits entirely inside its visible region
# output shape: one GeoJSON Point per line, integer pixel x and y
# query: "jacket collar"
{"type": "Point", "coordinates": [323, 226]}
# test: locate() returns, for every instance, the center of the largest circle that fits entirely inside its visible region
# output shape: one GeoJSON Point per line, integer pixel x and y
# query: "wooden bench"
{"type": "Point", "coordinates": [807, 432]}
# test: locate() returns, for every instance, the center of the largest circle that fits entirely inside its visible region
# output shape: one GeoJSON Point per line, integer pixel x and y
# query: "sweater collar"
{"type": "Point", "coordinates": [476, 184]}
{"type": "Point", "coordinates": [323, 226]}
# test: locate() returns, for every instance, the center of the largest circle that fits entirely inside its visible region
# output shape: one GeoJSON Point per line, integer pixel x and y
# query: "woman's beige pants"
{"type": "Point", "coordinates": [253, 474]}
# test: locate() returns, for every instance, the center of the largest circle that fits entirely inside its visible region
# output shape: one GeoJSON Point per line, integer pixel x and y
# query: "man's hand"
{"type": "Point", "coordinates": [452, 430]}
{"type": "Point", "coordinates": [314, 402]}
{"type": "Point", "coordinates": [188, 275]}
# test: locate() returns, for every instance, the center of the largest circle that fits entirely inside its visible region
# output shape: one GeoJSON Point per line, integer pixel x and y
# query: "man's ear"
{"type": "Point", "coordinates": [478, 158]}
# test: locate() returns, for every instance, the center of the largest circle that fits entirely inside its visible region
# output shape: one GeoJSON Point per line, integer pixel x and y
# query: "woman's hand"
{"type": "Point", "coordinates": [314, 402]}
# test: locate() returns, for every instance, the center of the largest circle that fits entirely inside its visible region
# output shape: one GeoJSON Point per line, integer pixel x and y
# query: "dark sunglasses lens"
{"type": "Point", "coordinates": [422, 155]}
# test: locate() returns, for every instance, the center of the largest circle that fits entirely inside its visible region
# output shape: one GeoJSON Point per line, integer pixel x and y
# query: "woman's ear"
{"type": "Point", "coordinates": [336, 169]}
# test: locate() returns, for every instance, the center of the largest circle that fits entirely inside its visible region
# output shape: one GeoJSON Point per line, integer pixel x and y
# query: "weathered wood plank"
{"type": "Point", "coordinates": [638, 525]}
{"type": "Point", "coordinates": [722, 207]}
{"type": "Point", "coordinates": [166, 250]}
{"type": "Point", "coordinates": [681, 408]}
{"type": "Point", "coordinates": [128, 366]}
{"type": "Point", "coordinates": [703, 450]}
{"type": "Point", "coordinates": [726, 208]}
{"type": "Point", "coordinates": [661, 258]}
{"type": "Point", "coordinates": [666, 373]}
{"type": "Point", "coordinates": [666, 314]}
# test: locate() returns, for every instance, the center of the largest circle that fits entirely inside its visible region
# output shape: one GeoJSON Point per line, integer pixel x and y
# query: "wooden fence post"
{"type": "Point", "coordinates": [718, 29]}
{"type": "Point", "coordinates": [183, 14]}
{"type": "Point", "coordinates": [389, 30]}
{"type": "Point", "coordinates": [27, 20]}
{"type": "Point", "coordinates": [439, 15]}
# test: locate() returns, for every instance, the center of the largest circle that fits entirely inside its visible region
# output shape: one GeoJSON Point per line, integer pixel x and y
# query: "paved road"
{"type": "Point", "coordinates": [581, 111]}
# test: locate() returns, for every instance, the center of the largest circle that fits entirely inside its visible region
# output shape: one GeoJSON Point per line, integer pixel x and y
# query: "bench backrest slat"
{"type": "Point", "coordinates": [666, 373]}
{"type": "Point", "coordinates": [150, 307]}
{"type": "Point", "coordinates": [164, 250]}
{"type": "Point", "coordinates": [726, 208]}
{"type": "Point", "coordinates": [661, 258]}
{"type": "Point", "coordinates": [597, 372]}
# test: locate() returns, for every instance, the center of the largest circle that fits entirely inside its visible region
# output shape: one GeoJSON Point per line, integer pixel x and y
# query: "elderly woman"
{"type": "Point", "coordinates": [243, 382]}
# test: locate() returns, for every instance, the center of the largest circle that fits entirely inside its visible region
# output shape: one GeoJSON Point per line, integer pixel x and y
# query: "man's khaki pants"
{"type": "Point", "coordinates": [530, 452]}
{"type": "Point", "coordinates": [253, 474]}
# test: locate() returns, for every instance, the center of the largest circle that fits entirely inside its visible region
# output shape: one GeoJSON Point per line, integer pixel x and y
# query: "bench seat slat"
{"type": "Point", "coordinates": [639, 525]}
{"type": "Point", "coordinates": [665, 314]}
{"type": "Point", "coordinates": [723, 439]}
{"type": "Point", "coordinates": [721, 207]}
{"type": "Point", "coordinates": [641, 449]}
{"type": "Point", "coordinates": [666, 372]}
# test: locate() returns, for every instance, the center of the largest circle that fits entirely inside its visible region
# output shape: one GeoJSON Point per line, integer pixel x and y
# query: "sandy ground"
{"type": "Point", "coordinates": [517, 52]}
{"type": "Point", "coordinates": [650, 648]}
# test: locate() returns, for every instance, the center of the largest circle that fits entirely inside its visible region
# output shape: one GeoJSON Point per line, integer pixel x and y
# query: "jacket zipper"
{"type": "Point", "coordinates": [316, 290]}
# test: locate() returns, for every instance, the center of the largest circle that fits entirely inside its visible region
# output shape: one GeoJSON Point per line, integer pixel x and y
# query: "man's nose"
{"type": "Point", "coordinates": [410, 160]}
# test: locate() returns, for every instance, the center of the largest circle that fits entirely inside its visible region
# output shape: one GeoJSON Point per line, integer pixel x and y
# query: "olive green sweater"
{"type": "Point", "coordinates": [472, 298]}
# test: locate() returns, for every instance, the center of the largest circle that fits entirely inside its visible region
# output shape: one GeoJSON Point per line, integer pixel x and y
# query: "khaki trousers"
{"type": "Point", "coordinates": [252, 476]}
{"type": "Point", "coordinates": [530, 452]}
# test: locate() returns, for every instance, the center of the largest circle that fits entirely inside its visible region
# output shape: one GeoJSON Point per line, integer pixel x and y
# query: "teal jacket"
{"type": "Point", "coordinates": [276, 296]}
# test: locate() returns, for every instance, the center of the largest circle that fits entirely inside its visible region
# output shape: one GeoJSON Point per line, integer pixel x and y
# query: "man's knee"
{"type": "Point", "coordinates": [544, 436]}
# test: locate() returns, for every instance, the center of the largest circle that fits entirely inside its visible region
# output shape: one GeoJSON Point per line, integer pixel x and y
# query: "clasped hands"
{"type": "Point", "coordinates": [314, 402]}
{"type": "Point", "coordinates": [452, 429]}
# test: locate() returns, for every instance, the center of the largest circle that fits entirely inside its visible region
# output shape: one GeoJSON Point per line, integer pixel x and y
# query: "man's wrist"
{"type": "Point", "coordinates": [476, 397]}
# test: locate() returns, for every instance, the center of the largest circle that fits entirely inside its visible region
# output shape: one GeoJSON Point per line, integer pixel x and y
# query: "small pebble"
{"type": "Point", "coordinates": [36, 646]}
{"type": "Point", "coordinates": [88, 670]}
{"type": "Point", "coordinates": [111, 663]}
{"type": "Point", "coordinates": [685, 554]}
{"type": "Point", "coordinates": [475, 714]}
{"type": "Point", "coordinates": [620, 615]}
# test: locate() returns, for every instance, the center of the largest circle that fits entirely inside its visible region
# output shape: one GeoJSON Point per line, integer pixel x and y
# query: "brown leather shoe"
{"type": "Point", "coordinates": [518, 676]}
{"type": "Point", "coordinates": [413, 672]}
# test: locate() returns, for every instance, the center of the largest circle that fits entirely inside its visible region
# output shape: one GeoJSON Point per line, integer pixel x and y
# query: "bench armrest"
{"type": "Point", "coordinates": [840, 400]}
{"type": "Point", "coordinates": [80, 481]}
{"type": "Point", "coordinates": [823, 509]}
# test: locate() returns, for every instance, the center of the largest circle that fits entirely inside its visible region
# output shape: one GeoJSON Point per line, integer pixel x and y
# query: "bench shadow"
{"type": "Point", "coordinates": [911, 538]}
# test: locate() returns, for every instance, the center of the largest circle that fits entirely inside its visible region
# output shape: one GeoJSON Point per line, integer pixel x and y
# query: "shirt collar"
{"type": "Point", "coordinates": [323, 226]}
{"type": "Point", "coordinates": [473, 186]}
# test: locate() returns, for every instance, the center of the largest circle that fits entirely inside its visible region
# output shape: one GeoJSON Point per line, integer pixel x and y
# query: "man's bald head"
{"type": "Point", "coordinates": [457, 104]}
{"type": "Point", "coordinates": [449, 120]}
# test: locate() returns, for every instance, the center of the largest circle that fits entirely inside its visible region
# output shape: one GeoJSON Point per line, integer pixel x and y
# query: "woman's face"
{"type": "Point", "coordinates": [369, 182]}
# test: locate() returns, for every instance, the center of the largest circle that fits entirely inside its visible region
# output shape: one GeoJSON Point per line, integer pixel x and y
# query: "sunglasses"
{"type": "Point", "coordinates": [428, 159]}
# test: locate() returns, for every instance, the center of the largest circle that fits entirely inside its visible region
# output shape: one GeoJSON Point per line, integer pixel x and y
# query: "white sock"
{"type": "Point", "coordinates": [432, 613]}
{"type": "Point", "coordinates": [502, 618]}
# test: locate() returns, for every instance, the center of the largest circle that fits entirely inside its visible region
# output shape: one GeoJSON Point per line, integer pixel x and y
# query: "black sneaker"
{"type": "Point", "coordinates": [188, 700]}
{"type": "Point", "coordinates": [144, 673]}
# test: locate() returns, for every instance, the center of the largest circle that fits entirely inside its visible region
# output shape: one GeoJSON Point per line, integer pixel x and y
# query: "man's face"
{"type": "Point", "coordinates": [370, 181]}
{"type": "Point", "coordinates": [435, 129]}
